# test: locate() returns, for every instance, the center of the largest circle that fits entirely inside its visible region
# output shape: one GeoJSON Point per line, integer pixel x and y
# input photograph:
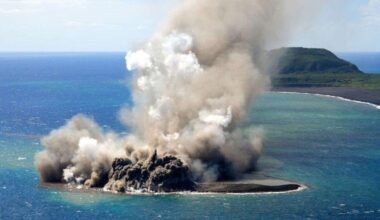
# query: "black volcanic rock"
{"type": "Point", "coordinates": [309, 60]}
{"type": "Point", "coordinates": [166, 174]}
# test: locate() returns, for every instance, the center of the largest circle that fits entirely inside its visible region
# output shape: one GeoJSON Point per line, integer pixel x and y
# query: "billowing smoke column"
{"type": "Point", "coordinates": [194, 82]}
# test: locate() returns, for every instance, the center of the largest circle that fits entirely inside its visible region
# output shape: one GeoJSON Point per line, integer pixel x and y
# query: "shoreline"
{"type": "Point", "coordinates": [262, 186]}
{"type": "Point", "coordinates": [367, 97]}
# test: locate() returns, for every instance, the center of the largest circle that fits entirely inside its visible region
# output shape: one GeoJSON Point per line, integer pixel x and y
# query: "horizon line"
{"type": "Point", "coordinates": [58, 51]}
{"type": "Point", "coordinates": [120, 51]}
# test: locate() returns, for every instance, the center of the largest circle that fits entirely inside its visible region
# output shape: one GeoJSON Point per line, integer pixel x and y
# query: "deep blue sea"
{"type": "Point", "coordinates": [367, 62]}
{"type": "Point", "coordinates": [330, 145]}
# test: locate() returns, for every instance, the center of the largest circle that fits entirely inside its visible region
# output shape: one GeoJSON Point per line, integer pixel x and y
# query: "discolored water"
{"type": "Point", "coordinates": [332, 146]}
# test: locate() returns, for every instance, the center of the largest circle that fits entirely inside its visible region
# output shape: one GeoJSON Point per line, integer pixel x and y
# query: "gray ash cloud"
{"type": "Point", "coordinates": [194, 82]}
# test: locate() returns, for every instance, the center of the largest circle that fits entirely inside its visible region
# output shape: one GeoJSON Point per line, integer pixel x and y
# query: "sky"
{"type": "Point", "coordinates": [119, 25]}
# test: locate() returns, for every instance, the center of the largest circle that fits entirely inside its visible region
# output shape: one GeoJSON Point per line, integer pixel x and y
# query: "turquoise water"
{"type": "Point", "coordinates": [330, 145]}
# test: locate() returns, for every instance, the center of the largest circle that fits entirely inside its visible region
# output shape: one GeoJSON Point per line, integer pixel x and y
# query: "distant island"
{"type": "Point", "coordinates": [312, 70]}
{"type": "Point", "coordinates": [309, 60]}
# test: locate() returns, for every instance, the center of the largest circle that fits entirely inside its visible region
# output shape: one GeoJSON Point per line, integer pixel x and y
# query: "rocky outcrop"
{"type": "Point", "coordinates": [158, 174]}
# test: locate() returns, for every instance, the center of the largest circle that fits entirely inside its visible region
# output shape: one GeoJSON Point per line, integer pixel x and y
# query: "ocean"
{"type": "Point", "coordinates": [330, 145]}
{"type": "Point", "coordinates": [367, 62]}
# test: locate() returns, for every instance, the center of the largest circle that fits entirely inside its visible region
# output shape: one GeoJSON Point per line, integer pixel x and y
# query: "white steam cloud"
{"type": "Point", "coordinates": [194, 83]}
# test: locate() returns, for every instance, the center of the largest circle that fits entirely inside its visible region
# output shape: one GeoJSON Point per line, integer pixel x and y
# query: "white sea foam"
{"type": "Point", "coordinates": [335, 97]}
{"type": "Point", "coordinates": [131, 191]}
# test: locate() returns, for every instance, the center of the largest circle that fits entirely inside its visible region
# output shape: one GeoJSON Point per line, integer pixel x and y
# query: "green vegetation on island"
{"type": "Point", "coordinates": [348, 80]}
{"type": "Point", "coordinates": [303, 67]}
{"type": "Point", "coordinates": [307, 60]}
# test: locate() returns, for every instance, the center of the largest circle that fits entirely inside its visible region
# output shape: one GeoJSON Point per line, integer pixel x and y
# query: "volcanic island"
{"type": "Point", "coordinates": [168, 174]}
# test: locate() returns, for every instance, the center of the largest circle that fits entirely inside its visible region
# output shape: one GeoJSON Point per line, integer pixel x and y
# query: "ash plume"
{"type": "Point", "coordinates": [194, 82]}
